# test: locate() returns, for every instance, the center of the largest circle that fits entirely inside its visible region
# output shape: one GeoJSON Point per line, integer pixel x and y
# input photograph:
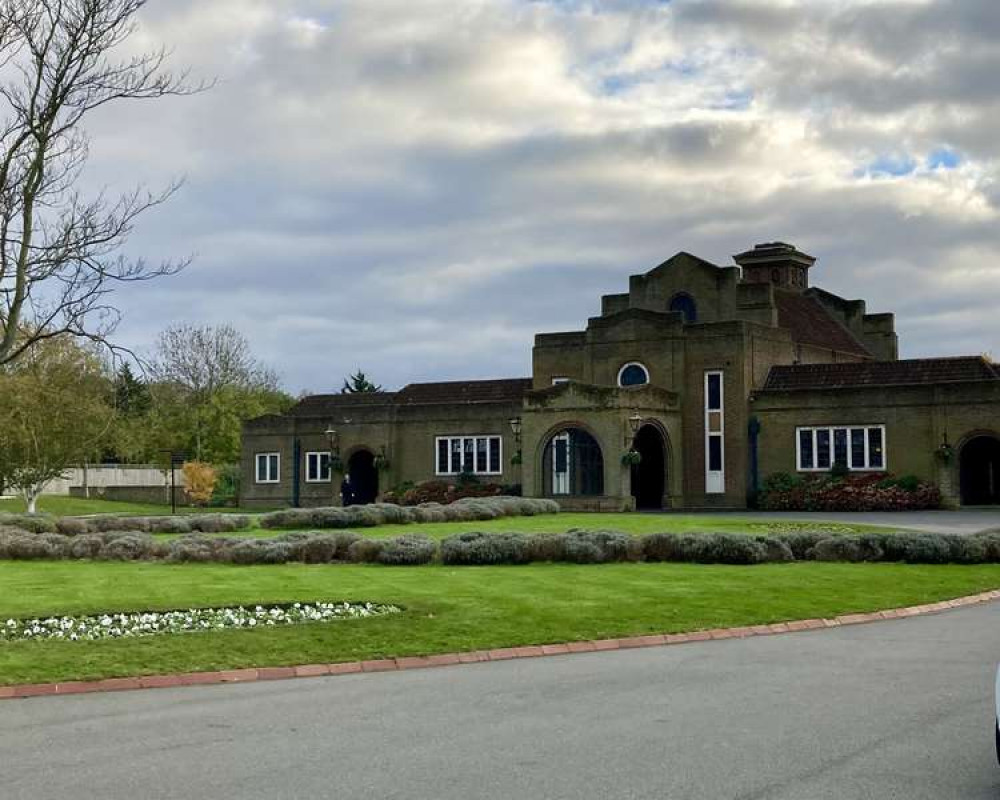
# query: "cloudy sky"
{"type": "Point", "coordinates": [416, 187]}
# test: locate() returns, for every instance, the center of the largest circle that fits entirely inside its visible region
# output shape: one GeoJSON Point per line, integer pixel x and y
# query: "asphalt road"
{"type": "Point", "coordinates": [899, 709]}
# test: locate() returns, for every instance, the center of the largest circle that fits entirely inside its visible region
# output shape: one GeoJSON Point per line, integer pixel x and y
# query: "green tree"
{"type": "Point", "coordinates": [132, 396]}
{"type": "Point", "coordinates": [206, 384]}
{"type": "Point", "coordinates": [358, 383]}
{"type": "Point", "coordinates": [54, 415]}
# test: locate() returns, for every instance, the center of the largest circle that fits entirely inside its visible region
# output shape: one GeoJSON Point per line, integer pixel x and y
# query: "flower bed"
{"type": "Point", "coordinates": [871, 492]}
{"type": "Point", "coordinates": [444, 492]}
{"type": "Point", "coordinates": [155, 623]}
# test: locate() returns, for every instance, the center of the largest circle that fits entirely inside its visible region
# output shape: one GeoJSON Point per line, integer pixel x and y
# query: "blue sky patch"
{"type": "Point", "coordinates": [943, 158]}
{"type": "Point", "coordinates": [891, 165]}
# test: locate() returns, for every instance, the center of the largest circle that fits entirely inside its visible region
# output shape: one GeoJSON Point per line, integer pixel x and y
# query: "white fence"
{"type": "Point", "coordinates": [98, 476]}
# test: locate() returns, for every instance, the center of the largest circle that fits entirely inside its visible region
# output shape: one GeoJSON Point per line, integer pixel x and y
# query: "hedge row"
{"type": "Point", "coordinates": [466, 549]}
{"type": "Point", "coordinates": [78, 526]}
{"type": "Point", "coordinates": [370, 516]}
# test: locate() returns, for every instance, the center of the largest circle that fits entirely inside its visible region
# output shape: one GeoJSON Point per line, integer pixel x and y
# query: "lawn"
{"type": "Point", "coordinates": [64, 506]}
{"type": "Point", "coordinates": [626, 523]}
{"type": "Point", "coordinates": [447, 609]}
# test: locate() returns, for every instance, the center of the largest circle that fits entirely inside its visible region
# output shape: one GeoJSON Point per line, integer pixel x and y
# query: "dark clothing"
{"type": "Point", "coordinates": [346, 493]}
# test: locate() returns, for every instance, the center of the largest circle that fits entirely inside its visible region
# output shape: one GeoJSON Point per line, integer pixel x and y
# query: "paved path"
{"type": "Point", "coordinates": [899, 709]}
{"type": "Point", "coordinates": [963, 522]}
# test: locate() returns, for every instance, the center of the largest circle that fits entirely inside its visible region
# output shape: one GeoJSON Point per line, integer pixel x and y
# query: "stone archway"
{"type": "Point", "coordinates": [979, 471]}
{"type": "Point", "coordinates": [649, 476]}
{"type": "Point", "coordinates": [364, 477]}
{"type": "Point", "coordinates": [572, 464]}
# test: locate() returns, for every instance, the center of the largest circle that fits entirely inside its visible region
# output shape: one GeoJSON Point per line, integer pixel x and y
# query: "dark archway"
{"type": "Point", "coordinates": [649, 476]}
{"type": "Point", "coordinates": [572, 464]}
{"type": "Point", "coordinates": [684, 304]}
{"type": "Point", "coordinates": [364, 477]}
{"type": "Point", "coordinates": [979, 468]}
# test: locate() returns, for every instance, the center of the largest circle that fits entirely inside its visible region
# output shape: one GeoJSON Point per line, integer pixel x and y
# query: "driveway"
{"type": "Point", "coordinates": [899, 709]}
{"type": "Point", "coordinates": [965, 521]}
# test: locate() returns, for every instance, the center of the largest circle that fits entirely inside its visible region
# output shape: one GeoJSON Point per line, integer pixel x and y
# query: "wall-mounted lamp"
{"type": "Point", "coordinates": [635, 422]}
{"type": "Point", "coordinates": [334, 439]}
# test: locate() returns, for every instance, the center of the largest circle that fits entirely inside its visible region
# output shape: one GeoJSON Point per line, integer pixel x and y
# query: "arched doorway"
{"type": "Point", "coordinates": [979, 468]}
{"type": "Point", "coordinates": [572, 465]}
{"type": "Point", "coordinates": [649, 476]}
{"type": "Point", "coordinates": [364, 477]}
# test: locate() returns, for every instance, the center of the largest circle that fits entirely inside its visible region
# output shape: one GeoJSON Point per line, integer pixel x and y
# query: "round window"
{"type": "Point", "coordinates": [633, 374]}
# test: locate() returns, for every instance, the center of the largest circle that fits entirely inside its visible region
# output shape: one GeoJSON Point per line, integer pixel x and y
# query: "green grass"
{"type": "Point", "coordinates": [627, 523]}
{"type": "Point", "coordinates": [447, 609]}
{"type": "Point", "coordinates": [64, 506]}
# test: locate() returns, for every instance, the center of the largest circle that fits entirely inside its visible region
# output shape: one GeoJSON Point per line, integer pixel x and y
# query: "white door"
{"type": "Point", "coordinates": [560, 463]}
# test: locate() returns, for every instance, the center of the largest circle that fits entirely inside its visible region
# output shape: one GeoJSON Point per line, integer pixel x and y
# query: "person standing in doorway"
{"type": "Point", "coordinates": [346, 492]}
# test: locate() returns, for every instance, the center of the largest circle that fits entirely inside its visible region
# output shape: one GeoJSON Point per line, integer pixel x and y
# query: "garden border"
{"type": "Point", "coordinates": [255, 674]}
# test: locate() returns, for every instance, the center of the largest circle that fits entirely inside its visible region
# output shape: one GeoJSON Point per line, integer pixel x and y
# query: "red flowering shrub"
{"type": "Point", "coordinates": [441, 492]}
{"type": "Point", "coordinates": [865, 492]}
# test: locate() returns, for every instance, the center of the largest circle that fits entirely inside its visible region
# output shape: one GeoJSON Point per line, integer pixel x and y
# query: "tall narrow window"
{"type": "Point", "coordinates": [442, 457]}
{"type": "Point", "coordinates": [715, 448]}
{"type": "Point", "coordinates": [840, 447]}
{"type": "Point", "coordinates": [806, 449]}
{"type": "Point", "coordinates": [876, 457]}
{"type": "Point", "coordinates": [823, 449]}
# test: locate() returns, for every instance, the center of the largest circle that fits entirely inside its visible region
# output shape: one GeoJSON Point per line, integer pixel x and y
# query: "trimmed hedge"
{"type": "Point", "coordinates": [81, 526]}
{"type": "Point", "coordinates": [476, 548]}
{"type": "Point", "coordinates": [370, 516]}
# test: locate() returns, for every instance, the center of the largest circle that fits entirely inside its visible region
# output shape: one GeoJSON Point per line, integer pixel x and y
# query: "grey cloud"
{"type": "Point", "coordinates": [420, 187]}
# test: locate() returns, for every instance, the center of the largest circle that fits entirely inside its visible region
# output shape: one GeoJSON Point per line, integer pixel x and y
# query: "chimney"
{"type": "Point", "coordinates": [776, 263]}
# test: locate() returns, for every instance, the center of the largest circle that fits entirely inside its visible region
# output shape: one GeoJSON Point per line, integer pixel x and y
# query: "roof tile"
{"type": "Point", "coordinates": [811, 323]}
{"type": "Point", "coordinates": [908, 372]}
{"type": "Point", "coordinates": [493, 391]}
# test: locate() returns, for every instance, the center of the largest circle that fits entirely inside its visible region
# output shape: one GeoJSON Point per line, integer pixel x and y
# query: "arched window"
{"type": "Point", "coordinates": [572, 465]}
{"type": "Point", "coordinates": [685, 305]}
{"type": "Point", "coordinates": [633, 374]}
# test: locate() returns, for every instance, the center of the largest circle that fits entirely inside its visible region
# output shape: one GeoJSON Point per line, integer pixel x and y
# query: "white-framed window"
{"type": "Point", "coordinates": [268, 467]}
{"type": "Point", "coordinates": [861, 448]}
{"type": "Point", "coordinates": [558, 380]}
{"type": "Point", "coordinates": [480, 455]}
{"type": "Point", "coordinates": [318, 467]}
{"type": "Point", "coordinates": [715, 433]}
{"type": "Point", "coordinates": [633, 374]}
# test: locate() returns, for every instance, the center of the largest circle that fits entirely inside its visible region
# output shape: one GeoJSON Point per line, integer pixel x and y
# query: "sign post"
{"type": "Point", "coordinates": [177, 459]}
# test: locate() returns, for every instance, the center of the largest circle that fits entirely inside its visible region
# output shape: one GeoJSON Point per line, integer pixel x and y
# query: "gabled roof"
{"type": "Point", "coordinates": [321, 405]}
{"type": "Point", "coordinates": [416, 394]}
{"type": "Point", "coordinates": [510, 390]}
{"type": "Point", "coordinates": [811, 323]}
{"type": "Point", "coordinates": [908, 372]}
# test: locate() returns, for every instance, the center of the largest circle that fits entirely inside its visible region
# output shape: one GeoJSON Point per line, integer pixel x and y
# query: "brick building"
{"type": "Point", "coordinates": [716, 376]}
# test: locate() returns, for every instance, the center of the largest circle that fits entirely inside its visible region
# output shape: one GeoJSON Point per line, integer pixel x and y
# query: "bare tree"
{"type": "Point", "coordinates": [59, 251]}
{"type": "Point", "coordinates": [203, 359]}
{"type": "Point", "coordinates": [206, 369]}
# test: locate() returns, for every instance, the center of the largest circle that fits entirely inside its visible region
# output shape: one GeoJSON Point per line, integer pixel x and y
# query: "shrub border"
{"type": "Point", "coordinates": [255, 674]}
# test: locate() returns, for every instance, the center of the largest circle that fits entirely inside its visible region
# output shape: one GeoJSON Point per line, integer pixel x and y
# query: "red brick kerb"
{"type": "Point", "coordinates": [476, 656]}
